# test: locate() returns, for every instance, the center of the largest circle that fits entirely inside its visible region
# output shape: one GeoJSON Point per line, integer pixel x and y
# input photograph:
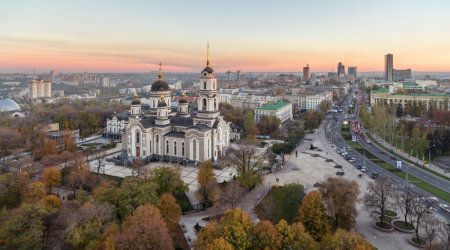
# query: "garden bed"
{"type": "Point", "coordinates": [385, 227]}
{"type": "Point", "coordinates": [402, 227]}
{"type": "Point", "coordinates": [417, 242]}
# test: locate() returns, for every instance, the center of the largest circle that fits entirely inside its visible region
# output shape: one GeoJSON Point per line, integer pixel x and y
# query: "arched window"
{"type": "Point", "coordinates": [150, 144]}
{"type": "Point", "coordinates": [167, 146]}
{"type": "Point", "coordinates": [175, 148]}
{"type": "Point", "coordinates": [157, 144]}
{"type": "Point", "coordinates": [137, 137]}
{"type": "Point", "coordinates": [204, 103]}
{"type": "Point", "coordinates": [182, 149]}
{"type": "Point", "coordinates": [204, 85]}
{"type": "Point", "coordinates": [215, 103]}
{"type": "Point", "coordinates": [194, 149]}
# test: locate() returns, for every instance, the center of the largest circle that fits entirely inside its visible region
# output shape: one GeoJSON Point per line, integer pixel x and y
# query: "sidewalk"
{"type": "Point", "coordinates": [405, 155]}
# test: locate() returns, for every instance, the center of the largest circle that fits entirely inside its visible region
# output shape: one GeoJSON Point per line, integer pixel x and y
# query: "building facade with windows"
{"type": "Point", "coordinates": [281, 110]}
{"type": "Point", "coordinates": [174, 136]}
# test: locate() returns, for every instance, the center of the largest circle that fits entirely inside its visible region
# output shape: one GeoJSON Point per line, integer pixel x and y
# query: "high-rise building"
{"type": "Point", "coordinates": [389, 67]}
{"type": "Point", "coordinates": [229, 75]}
{"type": "Point", "coordinates": [341, 69]}
{"type": "Point", "coordinates": [238, 75]}
{"type": "Point", "coordinates": [306, 74]}
{"type": "Point", "coordinates": [402, 74]}
{"type": "Point", "coordinates": [39, 89]}
{"type": "Point", "coordinates": [353, 71]}
{"type": "Point", "coordinates": [54, 75]}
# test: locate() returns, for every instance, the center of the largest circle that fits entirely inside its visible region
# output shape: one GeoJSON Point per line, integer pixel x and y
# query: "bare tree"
{"type": "Point", "coordinates": [377, 198]}
{"type": "Point", "coordinates": [403, 199]}
{"type": "Point", "coordinates": [230, 196]}
{"type": "Point", "coordinates": [99, 155]}
{"type": "Point", "coordinates": [247, 161]}
{"type": "Point", "coordinates": [444, 235]}
{"type": "Point", "coordinates": [431, 228]}
{"type": "Point", "coordinates": [421, 211]}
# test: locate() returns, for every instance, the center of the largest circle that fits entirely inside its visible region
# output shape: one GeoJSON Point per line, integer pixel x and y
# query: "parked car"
{"type": "Point", "coordinates": [351, 160]}
{"type": "Point", "coordinates": [363, 169]}
{"type": "Point", "coordinates": [338, 166]}
{"type": "Point", "coordinates": [340, 173]}
{"type": "Point", "coordinates": [359, 166]}
{"type": "Point", "coordinates": [374, 175]}
{"type": "Point", "coordinates": [316, 184]}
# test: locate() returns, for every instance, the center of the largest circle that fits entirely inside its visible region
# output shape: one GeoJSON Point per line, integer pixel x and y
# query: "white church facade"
{"type": "Point", "coordinates": [160, 134]}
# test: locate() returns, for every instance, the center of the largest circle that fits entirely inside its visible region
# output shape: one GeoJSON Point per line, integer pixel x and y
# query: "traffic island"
{"type": "Point", "coordinates": [403, 227]}
{"type": "Point", "coordinates": [417, 242]}
{"type": "Point", "coordinates": [383, 226]}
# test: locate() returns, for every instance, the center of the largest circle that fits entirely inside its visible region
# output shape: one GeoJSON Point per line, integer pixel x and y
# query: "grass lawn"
{"type": "Point", "coordinates": [391, 168]}
{"type": "Point", "coordinates": [403, 225]}
{"type": "Point", "coordinates": [282, 202]}
{"type": "Point", "coordinates": [390, 213]}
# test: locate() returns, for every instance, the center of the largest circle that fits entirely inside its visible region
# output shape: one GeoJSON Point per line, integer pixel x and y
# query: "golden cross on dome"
{"type": "Point", "coordinates": [207, 54]}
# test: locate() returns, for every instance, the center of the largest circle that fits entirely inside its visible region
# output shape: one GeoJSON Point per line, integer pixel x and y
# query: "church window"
{"type": "Point", "coordinates": [204, 85]}
{"type": "Point", "coordinates": [157, 138]}
{"type": "Point", "coordinates": [182, 149]}
{"type": "Point", "coordinates": [215, 103]}
{"type": "Point", "coordinates": [194, 148]}
{"type": "Point", "coordinates": [137, 137]}
{"type": "Point", "coordinates": [175, 148]}
{"type": "Point", "coordinates": [204, 103]}
{"type": "Point", "coordinates": [150, 144]}
{"type": "Point", "coordinates": [167, 147]}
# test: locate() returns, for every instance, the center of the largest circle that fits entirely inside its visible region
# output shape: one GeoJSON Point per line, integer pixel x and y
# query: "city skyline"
{"type": "Point", "coordinates": [270, 37]}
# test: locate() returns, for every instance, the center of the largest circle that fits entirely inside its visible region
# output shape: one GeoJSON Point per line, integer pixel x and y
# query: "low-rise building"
{"type": "Point", "coordinates": [115, 124]}
{"type": "Point", "coordinates": [426, 100]}
{"type": "Point", "coordinates": [282, 110]}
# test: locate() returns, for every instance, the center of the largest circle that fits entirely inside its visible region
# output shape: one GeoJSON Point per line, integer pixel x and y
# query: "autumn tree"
{"type": "Point", "coordinates": [340, 196]}
{"type": "Point", "coordinates": [376, 199]}
{"type": "Point", "coordinates": [85, 227]}
{"type": "Point", "coordinates": [219, 244]}
{"type": "Point", "coordinates": [24, 227]}
{"type": "Point", "coordinates": [168, 180]}
{"type": "Point", "coordinates": [301, 239]}
{"type": "Point", "coordinates": [250, 126]}
{"type": "Point", "coordinates": [13, 187]}
{"type": "Point", "coordinates": [52, 201]}
{"type": "Point", "coordinates": [234, 227]}
{"type": "Point", "coordinates": [247, 161]}
{"type": "Point", "coordinates": [79, 175]}
{"type": "Point", "coordinates": [313, 216]}
{"type": "Point", "coordinates": [9, 139]}
{"type": "Point", "coordinates": [206, 179]}
{"type": "Point", "coordinates": [35, 192]}
{"type": "Point", "coordinates": [144, 229]}
{"type": "Point", "coordinates": [266, 236]}
{"type": "Point", "coordinates": [344, 240]}
{"type": "Point", "coordinates": [170, 211]}
{"type": "Point", "coordinates": [67, 141]}
{"type": "Point", "coordinates": [51, 177]}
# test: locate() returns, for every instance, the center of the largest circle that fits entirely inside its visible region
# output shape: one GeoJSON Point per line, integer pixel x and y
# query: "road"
{"type": "Point", "coordinates": [334, 129]}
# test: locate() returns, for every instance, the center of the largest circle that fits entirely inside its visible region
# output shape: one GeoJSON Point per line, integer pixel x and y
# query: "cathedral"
{"type": "Point", "coordinates": [162, 134]}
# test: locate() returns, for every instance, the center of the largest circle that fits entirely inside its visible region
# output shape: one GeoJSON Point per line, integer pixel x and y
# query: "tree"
{"type": "Point", "coordinates": [376, 199]}
{"type": "Point", "coordinates": [266, 236]}
{"type": "Point", "coordinates": [51, 177]}
{"type": "Point", "coordinates": [231, 195]}
{"type": "Point", "coordinates": [168, 180]}
{"type": "Point", "coordinates": [13, 187]}
{"type": "Point", "coordinates": [340, 196]}
{"type": "Point", "coordinates": [206, 178]}
{"type": "Point", "coordinates": [99, 155]}
{"type": "Point", "coordinates": [344, 240]}
{"type": "Point", "coordinates": [67, 141]}
{"type": "Point", "coordinates": [313, 216]}
{"type": "Point", "coordinates": [250, 126]}
{"type": "Point", "coordinates": [248, 163]}
{"type": "Point", "coordinates": [421, 211]}
{"type": "Point", "coordinates": [324, 106]}
{"type": "Point", "coordinates": [234, 227]}
{"type": "Point", "coordinates": [144, 229]}
{"type": "Point", "coordinates": [52, 201]}
{"type": "Point", "coordinates": [35, 192]}
{"type": "Point", "coordinates": [170, 211]}
{"type": "Point", "coordinates": [403, 200]}
{"type": "Point", "coordinates": [79, 175]}
{"type": "Point", "coordinates": [219, 244]}
{"type": "Point", "coordinates": [301, 239]}
{"type": "Point", "coordinates": [9, 139]}
{"type": "Point", "coordinates": [24, 227]}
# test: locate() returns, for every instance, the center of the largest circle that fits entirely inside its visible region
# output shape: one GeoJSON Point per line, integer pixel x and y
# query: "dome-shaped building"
{"type": "Point", "coordinates": [159, 88]}
{"type": "Point", "coordinates": [8, 105]}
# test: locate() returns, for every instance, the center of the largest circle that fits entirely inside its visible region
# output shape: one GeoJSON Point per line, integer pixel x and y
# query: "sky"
{"type": "Point", "coordinates": [250, 35]}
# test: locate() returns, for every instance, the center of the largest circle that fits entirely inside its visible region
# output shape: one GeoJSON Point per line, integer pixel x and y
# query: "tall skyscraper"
{"type": "Point", "coordinates": [353, 71]}
{"type": "Point", "coordinates": [389, 67]}
{"type": "Point", "coordinates": [306, 74]}
{"type": "Point", "coordinates": [238, 75]}
{"type": "Point", "coordinates": [341, 69]}
{"type": "Point", "coordinates": [39, 89]}
{"type": "Point", "coordinates": [229, 75]}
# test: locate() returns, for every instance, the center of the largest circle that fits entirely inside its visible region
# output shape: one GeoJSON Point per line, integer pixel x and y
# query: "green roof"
{"type": "Point", "coordinates": [382, 90]}
{"type": "Point", "coordinates": [273, 106]}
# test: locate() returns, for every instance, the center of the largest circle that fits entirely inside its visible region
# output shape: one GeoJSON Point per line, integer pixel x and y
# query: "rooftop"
{"type": "Point", "coordinates": [273, 106]}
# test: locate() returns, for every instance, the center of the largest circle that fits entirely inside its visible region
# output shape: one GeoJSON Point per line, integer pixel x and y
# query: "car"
{"type": "Point", "coordinates": [337, 166]}
{"type": "Point", "coordinates": [363, 169]}
{"type": "Point", "coordinates": [374, 175]}
{"type": "Point", "coordinates": [352, 160]}
{"type": "Point", "coordinates": [359, 166]}
{"type": "Point", "coordinates": [316, 184]}
{"type": "Point", "coordinates": [347, 157]}
{"type": "Point", "coordinates": [340, 173]}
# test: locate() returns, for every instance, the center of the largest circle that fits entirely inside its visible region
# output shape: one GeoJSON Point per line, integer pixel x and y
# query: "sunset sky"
{"type": "Point", "coordinates": [134, 36]}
